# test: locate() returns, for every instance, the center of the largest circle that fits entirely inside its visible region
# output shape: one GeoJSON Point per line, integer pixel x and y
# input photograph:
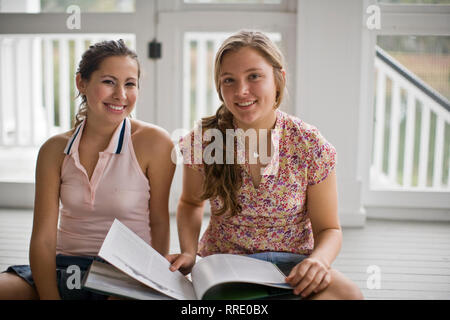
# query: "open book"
{"type": "Point", "coordinates": [138, 271]}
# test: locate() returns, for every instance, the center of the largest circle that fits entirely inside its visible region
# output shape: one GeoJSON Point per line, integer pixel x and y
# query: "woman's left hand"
{"type": "Point", "coordinates": [309, 276]}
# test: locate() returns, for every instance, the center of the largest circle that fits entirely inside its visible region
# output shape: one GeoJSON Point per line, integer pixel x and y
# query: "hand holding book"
{"type": "Point", "coordinates": [182, 262]}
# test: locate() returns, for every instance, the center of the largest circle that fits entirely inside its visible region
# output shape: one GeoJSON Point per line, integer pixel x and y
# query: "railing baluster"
{"type": "Point", "coordinates": [49, 86]}
{"type": "Point", "coordinates": [409, 139]}
{"type": "Point", "coordinates": [15, 100]}
{"type": "Point", "coordinates": [394, 128]}
{"type": "Point", "coordinates": [8, 69]}
{"type": "Point", "coordinates": [64, 93]}
{"type": "Point", "coordinates": [448, 173]}
{"type": "Point", "coordinates": [424, 146]}
{"type": "Point", "coordinates": [25, 104]}
{"type": "Point", "coordinates": [200, 92]}
{"type": "Point", "coordinates": [93, 40]}
{"type": "Point", "coordinates": [79, 48]}
{"type": "Point", "coordinates": [438, 152]}
{"type": "Point", "coordinates": [31, 105]}
{"type": "Point", "coordinates": [216, 100]}
{"type": "Point", "coordinates": [187, 82]}
{"type": "Point", "coordinates": [379, 124]}
{"type": "Point", "coordinates": [37, 123]}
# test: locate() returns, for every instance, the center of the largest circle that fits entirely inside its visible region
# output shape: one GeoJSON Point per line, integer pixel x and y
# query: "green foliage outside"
{"type": "Point", "coordinates": [88, 5]}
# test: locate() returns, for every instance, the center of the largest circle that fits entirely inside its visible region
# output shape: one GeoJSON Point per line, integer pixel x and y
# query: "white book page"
{"type": "Point", "coordinates": [133, 256]}
{"type": "Point", "coordinates": [222, 268]}
{"type": "Point", "coordinates": [106, 278]}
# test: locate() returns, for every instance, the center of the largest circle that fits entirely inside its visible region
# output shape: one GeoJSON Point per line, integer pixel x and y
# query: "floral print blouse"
{"type": "Point", "coordinates": [274, 215]}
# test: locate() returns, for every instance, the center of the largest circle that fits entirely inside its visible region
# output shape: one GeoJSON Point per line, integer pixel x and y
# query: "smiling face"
{"type": "Point", "coordinates": [248, 89]}
{"type": "Point", "coordinates": [112, 90]}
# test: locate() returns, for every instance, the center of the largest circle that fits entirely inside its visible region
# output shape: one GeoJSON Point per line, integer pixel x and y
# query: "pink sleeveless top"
{"type": "Point", "coordinates": [118, 189]}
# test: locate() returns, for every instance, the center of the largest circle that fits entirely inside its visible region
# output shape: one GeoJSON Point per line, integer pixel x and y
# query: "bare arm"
{"type": "Point", "coordinates": [189, 220]}
{"type": "Point", "coordinates": [323, 212]}
{"type": "Point", "coordinates": [313, 273]}
{"type": "Point", "coordinates": [46, 209]}
{"type": "Point", "coordinates": [160, 174]}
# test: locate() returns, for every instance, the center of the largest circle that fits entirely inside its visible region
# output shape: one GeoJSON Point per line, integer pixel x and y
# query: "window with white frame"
{"type": "Point", "coordinates": [38, 96]}
{"type": "Point", "coordinates": [41, 6]}
{"type": "Point", "coordinates": [216, 5]}
{"type": "Point", "coordinates": [44, 66]}
{"type": "Point", "coordinates": [408, 172]}
{"type": "Point", "coordinates": [415, 1]}
{"type": "Point", "coordinates": [412, 112]}
{"type": "Point", "coordinates": [238, 2]}
{"type": "Point", "coordinates": [39, 55]}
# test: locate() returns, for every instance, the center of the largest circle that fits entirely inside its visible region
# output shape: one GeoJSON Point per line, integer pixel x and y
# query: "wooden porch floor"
{"type": "Point", "coordinates": [413, 257]}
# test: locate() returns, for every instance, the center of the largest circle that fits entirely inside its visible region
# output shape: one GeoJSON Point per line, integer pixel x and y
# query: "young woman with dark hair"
{"type": "Point", "coordinates": [108, 166]}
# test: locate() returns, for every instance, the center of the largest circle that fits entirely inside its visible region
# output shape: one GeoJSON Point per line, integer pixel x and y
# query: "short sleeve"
{"type": "Point", "coordinates": [192, 150]}
{"type": "Point", "coordinates": [322, 158]}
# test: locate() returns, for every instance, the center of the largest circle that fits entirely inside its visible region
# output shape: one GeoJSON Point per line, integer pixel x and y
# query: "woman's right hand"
{"type": "Point", "coordinates": [182, 262]}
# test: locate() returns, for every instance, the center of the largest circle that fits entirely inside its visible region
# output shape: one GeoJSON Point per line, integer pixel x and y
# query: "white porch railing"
{"type": "Point", "coordinates": [37, 86]}
{"type": "Point", "coordinates": [411, 138]}
{"type": "Point", "coordinates": [37, 100]}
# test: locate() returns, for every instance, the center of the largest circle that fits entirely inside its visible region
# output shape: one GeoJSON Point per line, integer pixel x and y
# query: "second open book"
{"type": "Point", "coordinates": [138, 271]}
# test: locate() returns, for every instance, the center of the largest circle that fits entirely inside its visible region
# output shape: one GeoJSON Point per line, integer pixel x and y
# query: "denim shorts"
{"type": "Point", "coordinates": [67, 285]}
{"type": "Point", "coordinates": [285, 261]}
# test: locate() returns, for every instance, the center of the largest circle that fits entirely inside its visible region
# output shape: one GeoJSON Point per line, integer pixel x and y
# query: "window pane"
{"type": "Point", "coordinates": [36, 6]}
{"type": "Point", "coordinates": [234, 1]}
{"type": "Point", "coordinates": [416, 1]}
{"type": "Point", "coordinates": [412, 108]}
{"type": "Point", "coordinates": [428, 57]}
{"type": "Point", "coordinates": [38, 96]}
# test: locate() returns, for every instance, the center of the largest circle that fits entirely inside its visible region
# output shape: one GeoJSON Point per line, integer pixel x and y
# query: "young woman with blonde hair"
{"type": "Point", "coordinates": [283, 211]}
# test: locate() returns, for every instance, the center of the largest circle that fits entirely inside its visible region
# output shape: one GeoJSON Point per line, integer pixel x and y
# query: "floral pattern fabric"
{"type": "Point", "coordinates": [274, 215]}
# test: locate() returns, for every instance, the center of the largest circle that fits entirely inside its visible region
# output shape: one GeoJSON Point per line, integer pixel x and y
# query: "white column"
{"type": "Point", "coordinates": [329, 69]}
{"type": "Point", "coordinates": [2, 114]}
{"type": "Point", "coordinates": [145, 32]}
